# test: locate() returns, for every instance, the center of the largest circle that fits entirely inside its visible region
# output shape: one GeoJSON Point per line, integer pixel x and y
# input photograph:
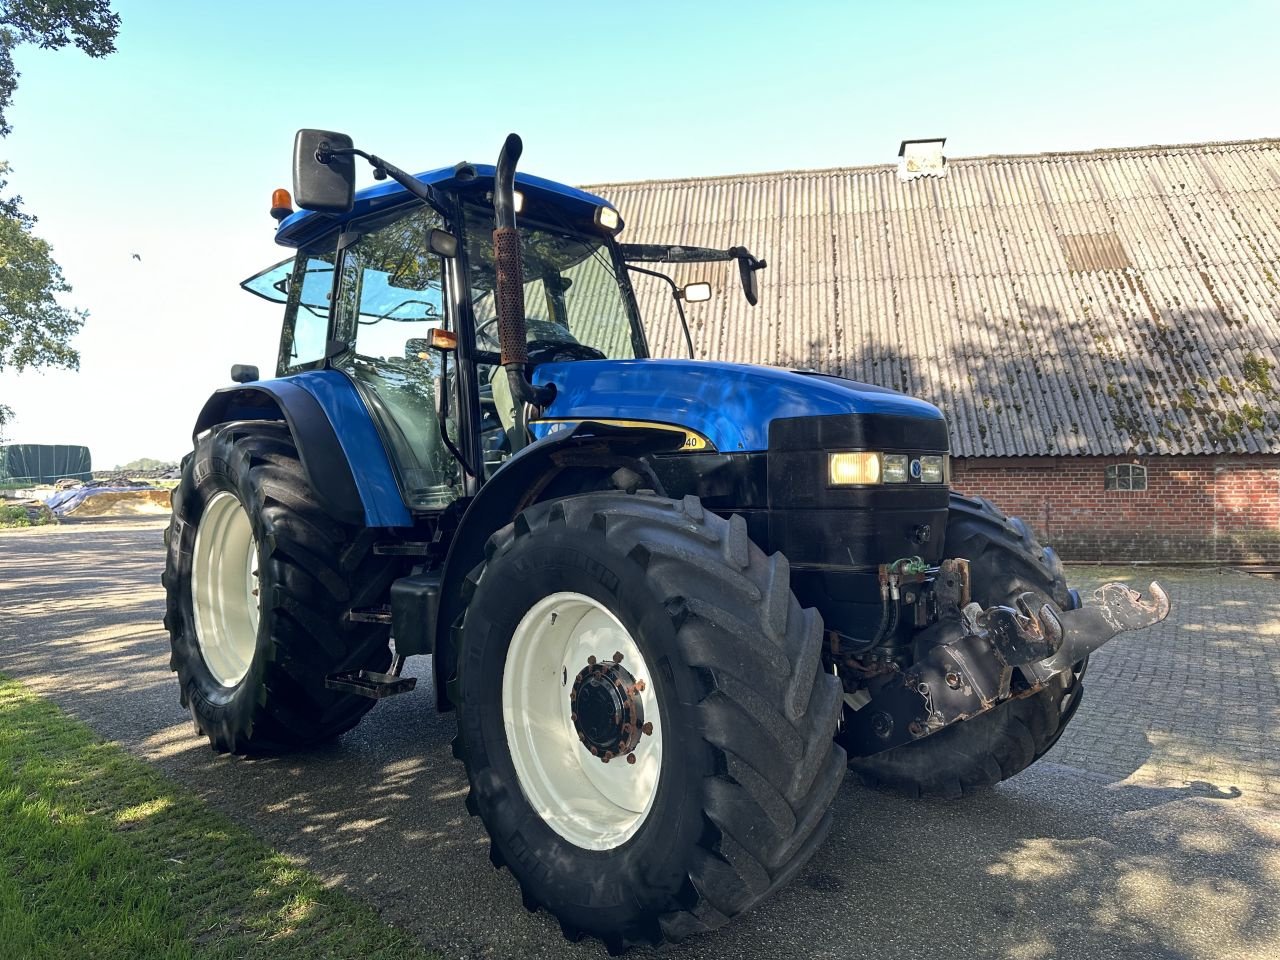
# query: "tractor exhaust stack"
{"type": "Point", "coordinates": [510, 288]}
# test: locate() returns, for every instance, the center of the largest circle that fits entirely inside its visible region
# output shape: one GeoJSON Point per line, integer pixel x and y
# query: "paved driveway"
{"type": "Point", "coordinates": [1151, 830]}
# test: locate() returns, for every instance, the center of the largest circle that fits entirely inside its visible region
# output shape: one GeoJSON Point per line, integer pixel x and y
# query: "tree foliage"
{"type": "Point", "coordinates": [51, 25]}
{"type": "Point", "coordinates": [35, 330]}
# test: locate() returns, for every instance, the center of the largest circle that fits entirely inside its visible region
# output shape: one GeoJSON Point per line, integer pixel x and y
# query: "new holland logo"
{"type": "Point", "coordinates": [915, 469]}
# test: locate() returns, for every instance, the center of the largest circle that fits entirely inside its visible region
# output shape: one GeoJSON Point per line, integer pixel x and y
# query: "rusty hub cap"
{"type": "Point", "coordinates": [608, 713]}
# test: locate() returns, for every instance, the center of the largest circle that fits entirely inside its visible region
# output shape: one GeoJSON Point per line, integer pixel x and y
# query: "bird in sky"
{"type": "Point", "coordinates": [137, 257]}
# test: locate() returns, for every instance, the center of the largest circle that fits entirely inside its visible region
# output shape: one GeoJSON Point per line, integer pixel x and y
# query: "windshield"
{"type": "Point", "coordinates": [571, 290]}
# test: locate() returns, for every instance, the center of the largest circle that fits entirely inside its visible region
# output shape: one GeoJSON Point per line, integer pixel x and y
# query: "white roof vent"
{"type": "Point", "coordinates": [921, 158]}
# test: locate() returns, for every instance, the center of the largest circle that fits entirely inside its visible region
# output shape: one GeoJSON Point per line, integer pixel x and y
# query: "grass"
{"type": "Point", "coordinates": [18, 516]}
{"type": "Point", "coordinates": [101, 856]}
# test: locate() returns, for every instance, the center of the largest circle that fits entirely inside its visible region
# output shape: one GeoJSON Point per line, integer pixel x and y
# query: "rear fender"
{"type": "Point", "coordinates": [538, 472]}
{"type": "Point", "coordinates": [338, 444]}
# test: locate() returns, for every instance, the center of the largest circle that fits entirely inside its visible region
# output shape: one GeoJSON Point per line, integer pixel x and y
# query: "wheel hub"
{"type": "Point", "coordinates": [607, 711]}
{"type": "Point", "coordinates": [554, 692]}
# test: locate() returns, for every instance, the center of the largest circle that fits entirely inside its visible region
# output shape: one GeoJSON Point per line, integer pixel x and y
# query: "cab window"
{"type": "Point", "coordinates": [390, 296]}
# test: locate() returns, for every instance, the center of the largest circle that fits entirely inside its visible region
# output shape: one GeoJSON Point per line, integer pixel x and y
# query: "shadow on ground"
{"type": "Point", "coordinates": [1082, 860]}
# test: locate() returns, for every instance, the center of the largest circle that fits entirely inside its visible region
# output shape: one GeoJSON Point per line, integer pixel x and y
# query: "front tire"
{"type": "Point", "coordinates": [730, 789]}
{"type": "Point", "coordinates": [258, 582]}
{"type": "Point", "coordinates": [1005, 560]}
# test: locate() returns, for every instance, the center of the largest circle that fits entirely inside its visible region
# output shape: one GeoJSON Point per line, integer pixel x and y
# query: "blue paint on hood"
{"type": "Point", "coordinates": [731, 404]}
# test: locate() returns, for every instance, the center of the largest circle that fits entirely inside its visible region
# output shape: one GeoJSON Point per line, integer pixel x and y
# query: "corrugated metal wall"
{"type": "Point", "coordinates": [1094, 303]}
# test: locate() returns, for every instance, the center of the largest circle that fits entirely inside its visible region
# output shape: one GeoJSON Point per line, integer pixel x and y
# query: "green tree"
{"type": "Point", "coordinates": [35, 330]}
{"type": "Point", "coordinates": [51, 25]}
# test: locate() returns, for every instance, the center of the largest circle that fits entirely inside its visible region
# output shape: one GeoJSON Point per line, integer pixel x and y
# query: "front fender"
{"type": "Point", "coordinates": [338, 444]}
{"type": "Point", "coordinates": [520, 483]}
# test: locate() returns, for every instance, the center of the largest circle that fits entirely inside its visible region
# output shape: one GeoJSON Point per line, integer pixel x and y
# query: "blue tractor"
{"type": "Point", "coordinates": [670, 601]}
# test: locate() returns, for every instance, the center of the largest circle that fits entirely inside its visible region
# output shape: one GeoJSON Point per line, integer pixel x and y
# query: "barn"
{"type": "Point", "coordinates": [1102, 329]}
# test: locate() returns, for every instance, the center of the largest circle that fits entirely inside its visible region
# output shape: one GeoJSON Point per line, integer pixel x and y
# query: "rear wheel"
{"type": "Point", "coordinates": [644, 717]}
{"type": "Point", "coordinates": [258, 581]}
{"type": "Point", "coordinates": [1005, 560]}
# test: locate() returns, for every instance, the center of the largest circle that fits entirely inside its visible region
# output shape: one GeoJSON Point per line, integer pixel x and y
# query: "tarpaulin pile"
{"type": "Point", "coordinates": [116, 497]}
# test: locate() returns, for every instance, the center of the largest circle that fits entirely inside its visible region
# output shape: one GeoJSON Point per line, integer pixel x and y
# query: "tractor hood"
{"type": "Point", "coordinates": [728, 405]}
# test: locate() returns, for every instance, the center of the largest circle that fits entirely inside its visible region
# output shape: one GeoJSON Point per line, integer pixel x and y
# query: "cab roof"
{"type": "Point", "coordinates": [465, 179]}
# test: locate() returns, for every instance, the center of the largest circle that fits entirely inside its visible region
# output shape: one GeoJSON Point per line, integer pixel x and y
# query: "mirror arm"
{"type": "Point", "coordinates": [381, 170]}
{"type": "Point", "coordinates": [675, 295]}
{"type": "Point", "coordinates": [742, 253]}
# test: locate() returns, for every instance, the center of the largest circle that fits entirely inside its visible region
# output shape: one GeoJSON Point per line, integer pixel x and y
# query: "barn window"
{"type": "Point", "coordinates": [1126, 476]}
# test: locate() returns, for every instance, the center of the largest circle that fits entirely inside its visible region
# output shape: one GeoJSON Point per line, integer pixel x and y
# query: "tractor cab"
{"type": "Point", "coordinates": [401, 297]}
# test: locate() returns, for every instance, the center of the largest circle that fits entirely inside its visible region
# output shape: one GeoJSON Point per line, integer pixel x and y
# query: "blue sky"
{"type": "Point", "coordinates": [170, 147]}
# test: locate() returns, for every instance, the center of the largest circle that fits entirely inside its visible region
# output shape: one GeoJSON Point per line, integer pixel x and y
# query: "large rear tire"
{"type": "Point", "coordinates": [259, 580]}
{"type": "Point", "coordinates": [1005, 560]}
{"type": "Point", "coordinates": [730, 789]}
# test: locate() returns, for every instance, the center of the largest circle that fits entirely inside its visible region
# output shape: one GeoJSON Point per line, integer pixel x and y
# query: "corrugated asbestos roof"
{"type": "Point", "coordinates": [1111, 302]}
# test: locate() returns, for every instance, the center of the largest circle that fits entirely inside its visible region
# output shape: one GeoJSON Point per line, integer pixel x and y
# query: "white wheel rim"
{"type": "Point", "coordinates": [592, 804]}
{"type": "Point", "coordinates": [224, 589]}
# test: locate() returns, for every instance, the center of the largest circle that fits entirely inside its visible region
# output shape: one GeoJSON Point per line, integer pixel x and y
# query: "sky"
{"type": "Point", "coordinates": [170, 147]}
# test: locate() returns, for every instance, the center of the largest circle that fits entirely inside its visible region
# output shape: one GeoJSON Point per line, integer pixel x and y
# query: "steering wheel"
{"type": "Point", "coordinates": [480, 330]}
{"type": "Point", "coordinates": [552, 351]}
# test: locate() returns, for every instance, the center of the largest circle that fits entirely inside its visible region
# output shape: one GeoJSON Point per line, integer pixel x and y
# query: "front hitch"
{"type": "Point", "coordinates": [975, 671]}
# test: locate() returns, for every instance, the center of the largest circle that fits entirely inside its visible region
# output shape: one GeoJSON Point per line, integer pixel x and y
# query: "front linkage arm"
{"type": "Point", "coordinates": [974, 672]}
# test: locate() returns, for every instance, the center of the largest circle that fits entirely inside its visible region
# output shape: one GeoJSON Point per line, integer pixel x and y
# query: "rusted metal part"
{"type": "Point", "coordinates": [1019, 635]}
{"type": "Point", "coordinates": [951, 588]}
{"type": "Point", "coordinates": [974, 668]}
{"type": "Point", "coordinates": [1113, 609]}
{"type": "Point", "coordinates": [607, 710]}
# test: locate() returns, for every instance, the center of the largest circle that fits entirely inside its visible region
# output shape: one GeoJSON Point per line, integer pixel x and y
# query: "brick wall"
{"type": "Point", "coordinates": [1194, 508]}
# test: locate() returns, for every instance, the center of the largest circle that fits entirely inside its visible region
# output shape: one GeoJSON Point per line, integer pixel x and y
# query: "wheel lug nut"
{"type": "Point", "coordinates": [631, 758]}
{"type": "Point", "coordinates": [617, 658]}
{"type": "Point", "coordinates": [647, 729]}
{"type": "Point", "coordinates": [591, 661]}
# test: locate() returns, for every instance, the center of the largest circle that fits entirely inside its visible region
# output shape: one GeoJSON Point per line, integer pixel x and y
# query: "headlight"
{"type": "Point", "coordinates": [933, 469]}
{"type": "Point", "coordinates": [865, 468]}
{"type": "Point", "coordinates": [845, 469]}
{"type": "Point", "coordinates": [895, 468]}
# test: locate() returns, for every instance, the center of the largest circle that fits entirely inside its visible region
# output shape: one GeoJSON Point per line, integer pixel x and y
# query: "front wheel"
{"type": "Point", "coordinates": [644, 717]}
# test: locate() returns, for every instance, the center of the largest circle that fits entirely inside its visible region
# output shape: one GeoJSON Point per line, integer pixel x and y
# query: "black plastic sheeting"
{"type": "Point", "coordinates": [44, 462]}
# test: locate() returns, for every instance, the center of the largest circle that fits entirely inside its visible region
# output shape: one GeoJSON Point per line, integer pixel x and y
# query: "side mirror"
{"type": "Point", "coordinates": [698, 292]}
{"type": "Point", "coordinates": [750, 282]}
{"type": "Point", "coordinates": [443, 244]}
{"type": "Point", "coordinates": [243, 373]}
{"type": "Point", "coordinates": [322, 181]}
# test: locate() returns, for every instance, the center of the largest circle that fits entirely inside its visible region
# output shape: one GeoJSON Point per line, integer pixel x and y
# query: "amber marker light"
{"type": "Point", "coordinates": [281, 203]}
{"type": "Point", "coordinates": [444, 339]}
{"type": "Point", "coordinates": [848, 469]}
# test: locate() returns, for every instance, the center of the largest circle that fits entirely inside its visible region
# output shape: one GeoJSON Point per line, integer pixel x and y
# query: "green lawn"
{"type": "Point", "coordinates": [101, 856]}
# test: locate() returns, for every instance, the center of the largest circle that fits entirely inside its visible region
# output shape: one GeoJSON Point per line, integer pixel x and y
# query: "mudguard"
{"type": "Point", "coordinates": [522, 481]}
{"type": "Point", "coordinates": [340, 448]}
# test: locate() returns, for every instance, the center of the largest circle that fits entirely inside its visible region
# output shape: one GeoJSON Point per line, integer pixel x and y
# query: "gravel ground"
{"type": "Point", "coordinates": [1151, 830]}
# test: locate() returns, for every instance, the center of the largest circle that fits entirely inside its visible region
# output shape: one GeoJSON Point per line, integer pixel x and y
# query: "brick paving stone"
{"type": "Point", "coordinates": [1195, 699]}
